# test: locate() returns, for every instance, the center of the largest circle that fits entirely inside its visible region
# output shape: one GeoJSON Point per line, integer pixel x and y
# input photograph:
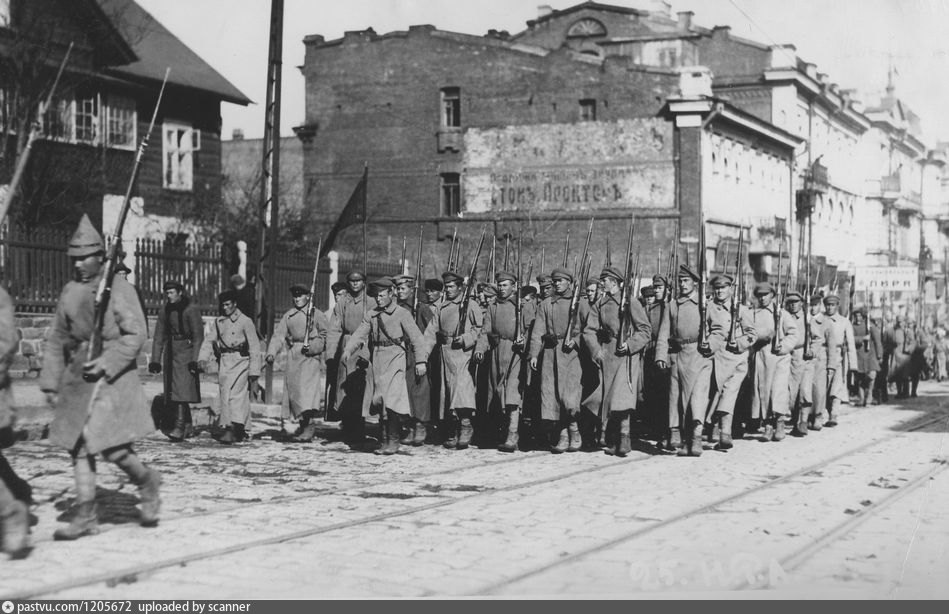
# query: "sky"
{"type": "Point", "coordinates": [853, 41]}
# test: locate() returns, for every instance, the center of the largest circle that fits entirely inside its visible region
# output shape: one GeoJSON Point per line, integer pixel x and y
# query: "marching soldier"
{"type": "Point", "coordinates": [433, 294]}
{"type": "Point", "coordinates": [500, 342]}
{"type": "Point", "coordinates": [838, 335]}
{"type": "Point", "coordinates": [353, 386]}
{"type": "Point", "coordinates": [420, 391]}
{"type": "Point", "coordinates": [179, 333]}
{"type": "Point", "coordinates": [545, 286]}
{"type": "Point", "coordinates": [691, 366]}
{"type": "Point", "coordinates": [14, 491]}
{"type": "Point", "coordinates": [387, 331]}
{"type": "Point", "coordinates": [816, 371]}
{"type": "Point", "coordinates": [591, 427]}
{"type": "Point", "coordinates": [559, 364]}
{"type": "Point", "coordinates": [233, 342]}
{"type": "Point", "coordinates": [661, 287]}
{"type": "Point", "coordinates": [869, 354]}
{"type": "Point", "coordinates": [304, 348]}
{"type": "Point", "coordinates": [800, 384]}
{"type": "Point", "coordinates": [730, 361]}
{"type": "Point", "coordinates": [619, 362]}
{"type": "Point", "coordinates": [457, 385]}
{"type": "Point", "coordinates": [771, 364]}
{"type": "Point", "coordinates": [100, 404]}
{"type": "Point", "coordinates": [656, 380]}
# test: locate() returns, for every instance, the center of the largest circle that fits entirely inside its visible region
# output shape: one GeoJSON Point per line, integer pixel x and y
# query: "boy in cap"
{"type": "Point", "coordinates": [838, 336]}
{"type": "Point", "coordinates": [420, 391]}
{"type": "Point", "coordinates": [179, 333]}
{"type": "Point", "coordinates": [15, 493]}
{"type": "Point", "coordinates": [456, 342]}
{"type": "Point", "coordinates": [559, 364]}
{"type": "Point", "coordinates": [619, 361]}
{"type": "Point", "coordinates": [233, 342]}
{"type": "Point", "coordinates": [99, 403]}
{"type": "Point", "coordinates": [301, 389]}
{"type": "Point", "coordinates": [387, 332]}
{"type": "Point", "coordinates": [771, 364]}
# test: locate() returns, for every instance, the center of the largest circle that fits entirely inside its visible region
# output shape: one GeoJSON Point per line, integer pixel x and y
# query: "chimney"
{"type": "Point", "coordinates": [695, 82]}
{"type": "Point", "coordinates": [543, 10]}
{"type": "Point", "coordinates": [237, 134]}
{"type": "Point", "coordinates": [721, 32]}
{"type": "Point", "coordinates": [811, 70]}
{"type": "Point", "coordinates": [783, 56]}
{"type": "Point", "coordinates": [685, 20]}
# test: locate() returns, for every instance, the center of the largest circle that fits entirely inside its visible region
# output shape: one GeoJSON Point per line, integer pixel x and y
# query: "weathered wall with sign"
{"type": "Point", "coordinates": [586, 165]}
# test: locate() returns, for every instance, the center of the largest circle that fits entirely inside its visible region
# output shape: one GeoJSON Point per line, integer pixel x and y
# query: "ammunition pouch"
{"type": "Point", "coordinates": [605, 336]}
{"type": "Point", "coordinates": [442, 338]}
{"type": "Point", "coordinates": [550, 340]}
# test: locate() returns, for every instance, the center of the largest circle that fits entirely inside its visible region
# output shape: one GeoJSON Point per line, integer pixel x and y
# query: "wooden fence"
{"type": "Point", "coordinates": [34, 266]}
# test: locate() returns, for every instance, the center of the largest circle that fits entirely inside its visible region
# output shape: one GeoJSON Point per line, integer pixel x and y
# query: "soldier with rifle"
{"type": "Point", "coordinates": [841, 351]}
{"type": "Point", "coordinates": [800, 383]}
{"type": "Point", "coordinates": [301, 333]}
{"type": "Point", "coordinates": [419, 388]}
{"type": "Point", "coordinates": [814, 380]}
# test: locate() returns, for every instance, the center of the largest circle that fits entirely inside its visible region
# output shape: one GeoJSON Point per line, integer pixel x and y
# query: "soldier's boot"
{"type": "Point", "coordinates": [15, 523]}
{"type": "Point", "coordinates": [178, 432]}
{"type": "Point", "coordinates": [725, 440]}
{"type": "Point", "coordinates": [419, 434]}
{"type": "Point", "coordinates": [779, 428]}
{"type": "Point", "coordinates": [308, 431]}
{"type": "Point", "coordinates": [86, 520]}
{"type": "Point", "coordinates": [228, 436]}
{"type": "Point", "coordinates": [685, 441]}
{"type": "Point", "coordinates": [451, 429]}
{"type": "Point", "coordinates": [466, 431]}
{"type": "Point", "coordinates": [574, 442]}
{"type": "Point", "coordinates": [147, 479]}
{"type": "Point", "coordinates": [510, 444]}
{"type": "Point", "coordinates": [715, 433]}
{"type": "Point", "coordinates": [695, 449]}
{"type": "Point", "coordinates": [675, 440]}
{"type": "Point", "coordinates": [624, 445]}
{"type": "Point", "coordinates": [563, 443]}
{"type": "Point", "coordinates": [800, 429]}
{"type": "Point", "coordinates": [819, 418]}
{"type": "Point", "coordinates": [409, 437]}
{"type": "Point", "coordinates": [588, 436]}
{"type": "Point", "coordinates": [391, 435]}
{"type": "Point", "coordinates": [769, 428]}
{"type": "Point", "coordinates": [611, 434]}
{"type": "Point", "coordinates": [832, 413]}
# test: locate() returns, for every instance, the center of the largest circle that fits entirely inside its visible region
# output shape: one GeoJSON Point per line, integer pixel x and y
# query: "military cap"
{"type": "Point", "coordinates": [86, 241]}
{"type": "Point", "coordinates": [172, 284]}
{"type": "Point", "coordinates": [659, 279]}
{"type": "Point", "coordinates": [449, 276]}
{"type": "Point", "coordinates": [831, 299]}
{"type": "Point", "coordinates": [434, 284]}
{"type": "Point", "coordinates": [793, 296]}
{"type": "Point", "coordinates": [227, 295]}
{"type": "Point", "coordinates": [561, 273]}
{"type": "Point", "coordinates": [611, 271]}
{"type": "Point", "coordinates": [816, 299]}
{"type": "Point", "coordinates": [237, 279]}
{"type": "Point", "coordinates": [861, 310]}
{"type": "Point", "coordinates": [298, 290]}
{"type": "Point", "coordinates": [505, 276]}
{"type": "Point", "coordinates": [721, 281]}
{"type": "Point", "coordinates": [489, 290]}
{"type": "Point", "coordinates": [591, 281]}
{"type": "Point", "coordinates": [381, 284]}
{"type": "Point", "coordinates": [528, 291]}
{"type": "Point", "coordinates": [403, 279]}
{"type": "Point", "coordinates": [544, 280]}
{"type": "Point", "coordinates": [762, 288]}
{"type": "Point", "coordinates": [685, 271]}
{"type": "Point", "coordinates": [340, 285]}
{"type": "Point", "coordinates": [647, 291]}
{"type": "Point", "coordinates": [355, 276]}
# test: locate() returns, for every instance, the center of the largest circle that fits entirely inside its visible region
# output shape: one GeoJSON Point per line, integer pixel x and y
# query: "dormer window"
{"type": "Point", "coordinates": [586, 28]}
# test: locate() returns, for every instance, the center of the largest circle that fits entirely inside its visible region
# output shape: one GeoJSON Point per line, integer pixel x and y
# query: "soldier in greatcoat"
{"type": "Point", "coordinates": [99, 403]}
{"type": "Point", "coordinates": [770, 364]}
{"type": "Point", "coordinates": [353, 385]}
{"type": "Point", "coordinates": [14, 491]}
{"type": "Point", "coordinates": [730, 359]}
{"type": "Point", "coordinates": [179, 333]}
{"type": "Point", "coordinates": [457, 345]}
{"type": "Point", "coordinates": [838, 336]}
{"type": "Point", "coordinates": [433, 294]}
{"type": "Point", "coordinates": [904, 344]}
{"type": "Point", "coordinates": [620, 361]}
{"type": "Point", "coordinates": [691, 365]}
{"type": "Point", "coordinates": [530, 408]}
{"type": "Point", "coordinates": [387, 331]}
{"type": "Point", "coordinates": [558, 361]}
{"type": "Point", "coordinates": [814, 418]}
{"type": "Point", "coordinates": [869, 344]}
{"type": "Point", "coordinates": [656, 380]}
{"type": "Point", "coordinates": [545, 286]}
{"type": "Point", "coordinates": [502, 342]}
{"type": "Point", "coordinates": [302, 391]}
{"type": "Point", "coordinates": [591, 427]}
{"type": "Point", "coordinates": [799, 387]}
{"type": "Point", "coordinates": [420, 391]}
{"type": "Point", "coordinates": [233, 342]}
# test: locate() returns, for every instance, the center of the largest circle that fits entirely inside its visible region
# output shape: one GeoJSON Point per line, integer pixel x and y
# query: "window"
{"type": "Point", "coordinates": [121, 128]}
{"type": "Point", "coordinates": [58, 120]}
{"type": "Point", "coordinates": [588, 110]}
{"type": "Point", "coordinates": [451, 194]}
{"type": "Point", "coordinates": [87, 119]}
{"type": "Point", "coordinates": [178, 145]}
{"type": "Point", "coordinates": [451, 107]}
{"type": "Point", "coordinates": [91, 118]}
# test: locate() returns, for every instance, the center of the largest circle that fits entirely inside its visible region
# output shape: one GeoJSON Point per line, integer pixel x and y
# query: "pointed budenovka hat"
{"type": "Point", "coordinates": [86, 240]}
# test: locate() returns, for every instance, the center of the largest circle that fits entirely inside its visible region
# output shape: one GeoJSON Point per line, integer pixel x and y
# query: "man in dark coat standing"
{"type": "Point", "coordinates": [179, 333]}
{"type": "Point", "coordinates": [99, 403]}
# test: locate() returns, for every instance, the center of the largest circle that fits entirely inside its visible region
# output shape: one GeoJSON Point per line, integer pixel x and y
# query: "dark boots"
{"type": "Point", "coordinates": [800, 429]}
{"type": "Point", "coordinates": [725, 433]}
{"type": "Point", "coordinates": [465, 431]}
{"type": "Point", "coordinates": [178, 432]}
{"type": "Point", "coordinates": [510, 444]}
{"type": "Point", "coordinates": [233, 434]}
{"type": "Point", "coordinates": [409, 437]}
{"type": "Point", "coordinates": [391, 435]}
{"type": "Point", "coordinates": [419, 434]}
{"type": "Point", "coordinates": [451, 430]}
{"type": "Point", "coordinates": [692, 446]}
{"type": "Point", "coordinates": [779, 427]}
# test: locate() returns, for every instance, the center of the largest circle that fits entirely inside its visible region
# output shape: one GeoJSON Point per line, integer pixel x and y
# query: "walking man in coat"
{"type": "Point", "coordinates": [869, 354]}
{"type": "Point", "coordinates": [813, 419]}
{"type": "Point", "coordinates": [558, 359]}
{"type": "Point", "coordinates": [420, 390]}
{"type": "Point", "coordinates": [234, 343]}
{"type": "Point", "coordinates": [457, 345]}
{"type": "Point", "coordinates": [656, 380]}
{"type": "Point", "coordinates": [179, 334]}
{"type": "Point", "coordinates": [99, 403]}
{"type": "Point", "coordinates": [800, 384]}
{"type": "Point", "coordinates": [620, 361]}
{"type": "Point", "coordinates": [301, 389]}
{"type": "Point", "coordinates": [15, 493]}
{"type": "Point", "coordinates": [771, 363]}
{"type": "Point", "coordinates": [838, 335]}
{"type": "Point", "coordinates": [387, 331]}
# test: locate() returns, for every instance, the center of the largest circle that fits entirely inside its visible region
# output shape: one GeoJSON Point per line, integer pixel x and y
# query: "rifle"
{"type": "Point", "coordinates": [493, 268]}
{"type": "Point", "coordinates": [807, 309]}
{"type": "Point", "coordinates": [451, 251]}
{"type": "Point", "coordinates": [586, 250]}
{"type": "Point", "coordinates": [543, 258]}
{"type": "Point", "coordinates": [777, 299]}
{"type": "Point", "coordinates": [673, 264]}
{"type": "Point", "coordinates": [624, 293]}
{"type": "Point", "coordinates": [575, 299]}
{"type": "Point", "coordinates": [609, 257]}
{"type": "Point", "coordinates": [312, 306]}
{"type": "Point", "coordinates": [518, 309]}
{"type": "Point", "coordinates": [507, 249]}
{"type": "Point", "coordinates": [34, 134]}
{"type": "Point", "coordinates": [418, 275]}
{"type": "Point", "coordinates": [566, 248]}
{"type": "Point", "coordinates": [850, 302]}
{"type": "Point", "coordinates": [469, 287]}
{"type": "Point", "coordinates": [104, 291]}
{"type": "Point", "coordinates": [703, 281]}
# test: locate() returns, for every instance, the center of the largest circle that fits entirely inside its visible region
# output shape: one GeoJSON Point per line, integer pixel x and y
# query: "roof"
{"type": "Point", "coordinates": [157, 49]}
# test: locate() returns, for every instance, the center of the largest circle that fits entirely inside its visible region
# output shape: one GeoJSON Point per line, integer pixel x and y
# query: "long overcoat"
{"type": "Point", "coordinates": [234, 339]}
{"type": "Point", "coordinates": [771, 372]}
{"type": "Point", "coordinates": [179, 333]}
{"type": "Point", "coordinates": [353, 384]}
{"type": "Point", "coordinates": [110, 412]}
{"type": "Point", "coordinates": [869, 348]}
{"type": "Point", "coordinates": [506, 367]}
{"type": "Point", "coordinates": [302, 390]}
{"type": "Point", "coordinates": [559, 370]}
{"type": "Point", "coordinates": [838, 335]}
{"type": "Point", "coordinates": [729, 369]}
{"type": "Point", "coordinates": [456, 384]}
{"type": "Point", "coordinates": [420, 388]}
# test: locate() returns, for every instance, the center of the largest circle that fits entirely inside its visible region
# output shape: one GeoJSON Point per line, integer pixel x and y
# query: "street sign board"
{"type": "Point", "coordinates": [886, 278]}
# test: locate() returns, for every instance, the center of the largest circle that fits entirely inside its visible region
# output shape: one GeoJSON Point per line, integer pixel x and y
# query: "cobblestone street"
{"type": "Point", "coordinates": [854, 511]}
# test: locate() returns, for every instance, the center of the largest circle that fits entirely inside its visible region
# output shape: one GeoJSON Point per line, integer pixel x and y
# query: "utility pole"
{"type": "Point", "coordinates": [270, 188]}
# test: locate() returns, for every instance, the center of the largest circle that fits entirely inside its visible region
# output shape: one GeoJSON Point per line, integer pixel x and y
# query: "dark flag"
{"type": "Point", "coordinates": [353, 213]}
